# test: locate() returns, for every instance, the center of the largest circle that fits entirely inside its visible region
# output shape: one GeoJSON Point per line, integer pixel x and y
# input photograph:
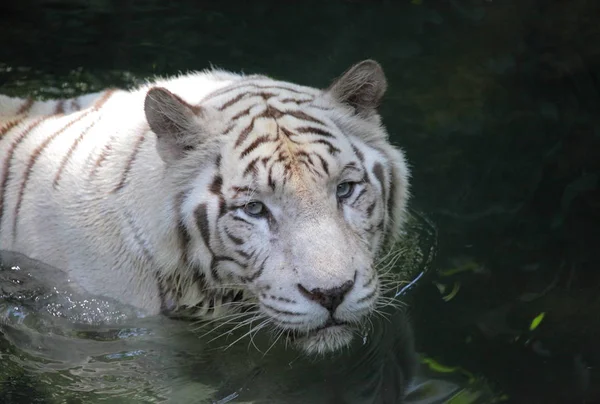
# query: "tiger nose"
{"type": "Point", "coordinates": [328, 298]}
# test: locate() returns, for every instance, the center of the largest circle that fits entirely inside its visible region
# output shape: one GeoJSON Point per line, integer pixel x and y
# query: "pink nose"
{"type": "Point", "coordinates": [329, 298]}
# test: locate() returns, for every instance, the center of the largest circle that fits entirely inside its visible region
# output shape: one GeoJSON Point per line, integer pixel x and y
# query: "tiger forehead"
{"type": "Point", "coordinates": [270, 99]}
{"type": "Point", "coordinates": [284, 92]}
{"type": "Point", "coordinates": [281, 150]}
{"type": "Point", "coordinates": [279, 136]}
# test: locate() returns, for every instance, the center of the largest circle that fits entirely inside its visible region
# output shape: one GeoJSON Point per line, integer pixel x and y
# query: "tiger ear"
{"type": "Point", "coordinates": [175, 123]}
{"type": "Point", "coordinates": [361, 87]}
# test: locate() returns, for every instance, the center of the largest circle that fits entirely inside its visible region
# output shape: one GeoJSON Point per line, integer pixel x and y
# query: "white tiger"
{"type": "Point", "coordinates": [209, 193]}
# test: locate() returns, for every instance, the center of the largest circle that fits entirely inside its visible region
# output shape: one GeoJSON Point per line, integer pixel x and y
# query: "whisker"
{"type": "Point", "coordinates": [241, 324]}
{"type": "Point", "coordinates": [229, 320]}
{"type": "Point", "coordinates": [382, 314]}
{"type": "Point", "coordinates": [397, 304]}
{"type": "Point", "coordinates": [253, 344]}
{"type": "Point", "coordinates": [257, 328]}
{"type": "Point", "coordinates": [274, 342]}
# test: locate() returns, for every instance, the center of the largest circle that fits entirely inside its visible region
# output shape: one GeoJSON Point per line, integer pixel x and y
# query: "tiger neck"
{"type": "Point", "coordinates": [146, 210]}
{"type": "Point", "coordinates": [152, 228]}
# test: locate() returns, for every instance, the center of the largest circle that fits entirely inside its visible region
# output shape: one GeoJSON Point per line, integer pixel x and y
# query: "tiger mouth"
{"type": "Point", "coordinates": [330, 323]}
{"type": "Point", "coordinates": [331, 336]}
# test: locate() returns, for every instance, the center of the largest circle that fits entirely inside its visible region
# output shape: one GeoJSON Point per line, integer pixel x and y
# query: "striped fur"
{"type": "Point", "coordinates": [144, 196]}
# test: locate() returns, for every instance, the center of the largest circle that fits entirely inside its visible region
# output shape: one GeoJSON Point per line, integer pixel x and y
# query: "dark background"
{"type": "Point", "coordinates": [494, 101]}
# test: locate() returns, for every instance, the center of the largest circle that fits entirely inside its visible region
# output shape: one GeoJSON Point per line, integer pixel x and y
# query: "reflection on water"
{"type": "Point", "coordinates": [60, 345]}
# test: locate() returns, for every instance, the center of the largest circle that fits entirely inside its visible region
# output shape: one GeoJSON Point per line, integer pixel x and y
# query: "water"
{"type": "Point", "coordinates": [495, 103]}
{"type": "Point", "coordinates": [71, 347]}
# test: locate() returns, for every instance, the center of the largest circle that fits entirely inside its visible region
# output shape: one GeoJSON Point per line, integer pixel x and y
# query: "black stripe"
{"type": "Point", "coordinates": [265, 96]}
{"type": "Point", "coordinates": [60, 107]}
{"type": "Point", "coordinates": [138, 238]}
{"type": "Point", "coordinates": [304, 116]}
{"type": "Point", "coordinates": [296, 101]}
{"type": "Point", "coordinates": [26, 107]}
{"type": "Point", "coordinates": [257, 142]}
{"type": "Point", "coordinates": [324, 164]}
{"type": "Point", "coordinates": [8, 159]}
{"type": "Point", "coordinates": [380, 176]}
{"type": "Point", "coordinates": [248, 86]}
{"type": "Point", "coordinates": [182, 232]}
{"type": "Point", "coordinates": [258, 273]}
{"type": "Point", "coordinates": [285, 312]}
{"type": "Point", "coordinates": [240, 190]}
{"type": "Point", "coordinates": [239, 219]}
{"type": "Point", "coordinates": [367, 297]}
{"type": "Point", "coordinates": [232, 101]}
{"type": "Point", "coordinates": [129, 164]}
{"type": "Point", "coordinates": [213, 270]}
{"type": "Point", "coordinates": [222, 206]}
{"type": "Point", "coordinates": [31, 163]}
{"type": "Point", "coordinates": [216, 185]}
{"type": "Point", "coordinates": [243, 254]}
{"type": "Point", "coordinates": [314, 131]}
{"type": "Point", "coordinates": [360, 194]}
{"type": "Point", "coordinates": [370, 209]}
{"type": "Point", "coordinates": [330, 147]}
{"type": "Point", "coordinates": [271, 112]}
{"type": "Point", "coordinates": [75, 105]}
{"type": "Point", "coordinates": [201, 214]}
{"type": "Point", "coordinates": [289, 136]}
{"type": "Point", "coordinates": [391, 202]}
{"type": "Point", "coordinates": [11, 124]}
{"type": "Point", "coordinates": [241, 114]}
{"type": "Point", "coordinates": [69, 154]}
{"type": "Point", "coordinates": [359, 154]}
{"type": "Point", "coordinates": [162, 294]}
{"type": "Point", "coordinates": [244, 134]}
{"type": "Point", "coordinates": [251, 168]}
{"type": "Point", "coordinates": [371, 279]}
{"type": "Point", "coordinates": [235, 239]}
{"type": "Point", "coordinates": [270, 180]}
{"type": "Point", "coordinates": [103, 156]}
{"type": "Point", "coordinates": [223, 258]}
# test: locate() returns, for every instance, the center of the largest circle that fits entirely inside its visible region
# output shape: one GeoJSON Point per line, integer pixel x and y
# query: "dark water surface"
{"type": "Point", "coordinates": [496, 103]}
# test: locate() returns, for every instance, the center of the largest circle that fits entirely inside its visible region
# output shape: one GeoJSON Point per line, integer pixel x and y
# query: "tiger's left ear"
{"type": "Point", "coordinates": [175, 123]}
{"type": "Point", "coordinates": [361, 87]}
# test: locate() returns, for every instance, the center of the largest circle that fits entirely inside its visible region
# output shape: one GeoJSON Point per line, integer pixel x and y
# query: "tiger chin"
{"type": "Point", "coordinates": [210, 195]}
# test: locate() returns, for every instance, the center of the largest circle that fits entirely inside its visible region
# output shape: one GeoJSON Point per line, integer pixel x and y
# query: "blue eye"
{"type": "Point", "coordinates": [344, 190]}
{"type": "Point", "coordinates": [255, 208]}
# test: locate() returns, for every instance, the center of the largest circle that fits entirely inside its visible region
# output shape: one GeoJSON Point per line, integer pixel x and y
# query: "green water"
{"type": "Point", "coordinates": [494, 101]}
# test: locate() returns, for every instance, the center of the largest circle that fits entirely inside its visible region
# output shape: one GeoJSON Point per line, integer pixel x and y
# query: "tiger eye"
{"type": "Point", "coordinates": [255, 208]}
{"type": "Point", "coordinates": [344, 190]}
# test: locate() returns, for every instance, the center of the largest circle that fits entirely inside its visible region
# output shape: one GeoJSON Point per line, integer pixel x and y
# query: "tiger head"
{"type": "Point", "coordinates": [288, 193]}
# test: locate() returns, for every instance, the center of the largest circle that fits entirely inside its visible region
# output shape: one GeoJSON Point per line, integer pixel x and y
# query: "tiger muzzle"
{"type": "Point", "coordinates": [328, 298]}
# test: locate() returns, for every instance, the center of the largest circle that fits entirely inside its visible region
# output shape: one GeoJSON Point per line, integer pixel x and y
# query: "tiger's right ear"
{"type": "Point", "coordinates": [175, 123]}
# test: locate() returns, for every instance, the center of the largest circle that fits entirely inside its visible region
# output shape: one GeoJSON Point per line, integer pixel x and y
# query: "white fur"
{"type": "Point", "coordinates": [114, 243]}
